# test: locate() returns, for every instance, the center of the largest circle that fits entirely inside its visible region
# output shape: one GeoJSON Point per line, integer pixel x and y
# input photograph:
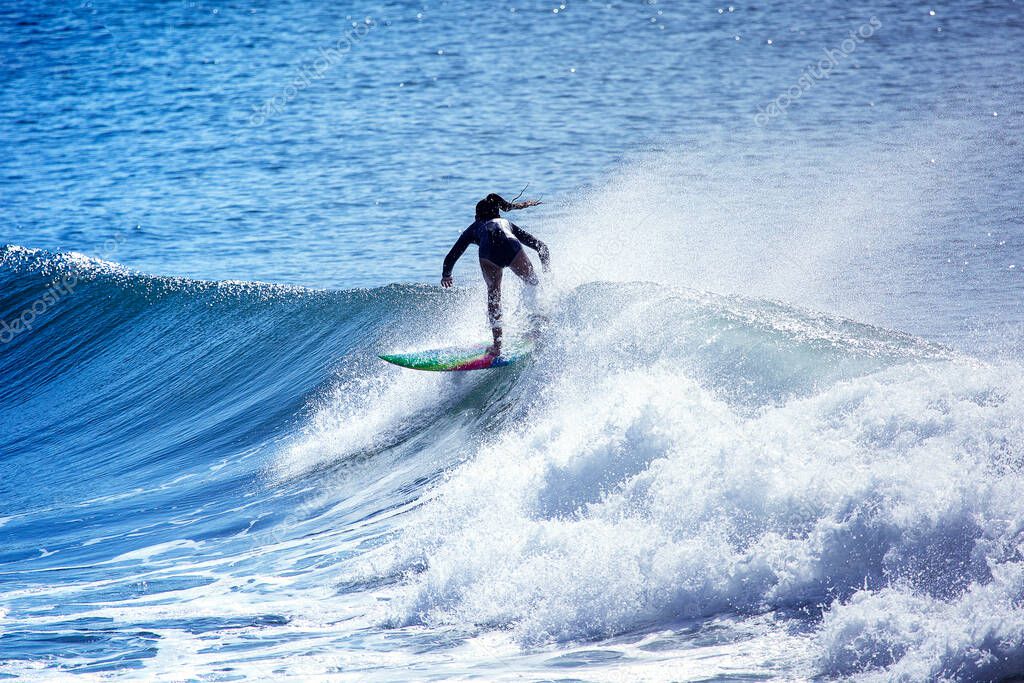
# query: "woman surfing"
{"type": "Point", "coordinates": [500, 245]}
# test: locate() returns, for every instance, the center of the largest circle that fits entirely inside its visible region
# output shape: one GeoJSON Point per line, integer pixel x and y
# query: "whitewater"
{"type": "Point", "coordinates": [680, 483]}
{"type": "Point", "coordinates": [772, 428]}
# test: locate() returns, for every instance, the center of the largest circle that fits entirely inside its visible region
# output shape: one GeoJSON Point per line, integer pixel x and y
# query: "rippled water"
{"type": "Point", "coordinates": [772, 431]}
{"type": "Point", "coordinates": [119, 117]}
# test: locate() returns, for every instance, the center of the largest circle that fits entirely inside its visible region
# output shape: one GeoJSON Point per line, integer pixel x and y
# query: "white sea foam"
{"type": "Point", "coordinates": [899, 633]}
{"type": "Point", "coordinates": [890, 500]}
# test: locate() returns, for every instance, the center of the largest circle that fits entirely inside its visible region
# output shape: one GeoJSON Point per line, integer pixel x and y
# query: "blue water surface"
{"type": "Point", "coordinates": [772, 427]}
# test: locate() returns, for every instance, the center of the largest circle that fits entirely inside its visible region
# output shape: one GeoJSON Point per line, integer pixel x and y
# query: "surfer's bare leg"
{"type": "Point", "coordinates": [523, 267]}
{"type": "Point", "coordinates": [492, 276]}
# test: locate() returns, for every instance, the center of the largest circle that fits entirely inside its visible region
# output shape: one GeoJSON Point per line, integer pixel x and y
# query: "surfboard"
{"type": "Point", "coordinates": [457, 359]}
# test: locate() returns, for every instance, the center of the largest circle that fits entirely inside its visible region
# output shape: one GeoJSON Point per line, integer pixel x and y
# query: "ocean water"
{"type": "Point", "coordinates": [773, 428]}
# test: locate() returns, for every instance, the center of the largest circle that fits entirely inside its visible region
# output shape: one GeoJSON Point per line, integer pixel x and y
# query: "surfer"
{"type": "Point", "coordinates": [500, 245]}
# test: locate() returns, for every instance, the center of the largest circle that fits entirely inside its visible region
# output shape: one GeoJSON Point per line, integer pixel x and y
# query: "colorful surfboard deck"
{"type": "Point", "coordinates": [461, 358]}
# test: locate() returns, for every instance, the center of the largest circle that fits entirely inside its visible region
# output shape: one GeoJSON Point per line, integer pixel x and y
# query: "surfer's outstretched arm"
{"type": "Point", "coordinates": [535, 244]}
{"type": "Point", "coordinates": [467, 238]}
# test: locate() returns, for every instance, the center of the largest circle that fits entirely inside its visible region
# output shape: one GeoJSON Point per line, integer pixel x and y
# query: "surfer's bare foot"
{"type": "Point", "coordinates": [493, 350]}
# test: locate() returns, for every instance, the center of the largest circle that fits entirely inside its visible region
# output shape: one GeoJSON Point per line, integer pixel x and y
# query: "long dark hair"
{"type": "Point", "coordinates": [488, 207]}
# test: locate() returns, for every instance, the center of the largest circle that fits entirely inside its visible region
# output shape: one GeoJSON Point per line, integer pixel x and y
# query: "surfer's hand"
{"type": "Point", "coordinates": [446, 282]}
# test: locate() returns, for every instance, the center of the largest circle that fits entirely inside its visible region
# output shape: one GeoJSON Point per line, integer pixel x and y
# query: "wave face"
{"type": "Point", "coordinates": [220, 480]}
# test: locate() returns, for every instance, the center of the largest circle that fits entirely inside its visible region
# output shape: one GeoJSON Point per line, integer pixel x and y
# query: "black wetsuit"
{"type": "Point", "coordinates": [500, 241]}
